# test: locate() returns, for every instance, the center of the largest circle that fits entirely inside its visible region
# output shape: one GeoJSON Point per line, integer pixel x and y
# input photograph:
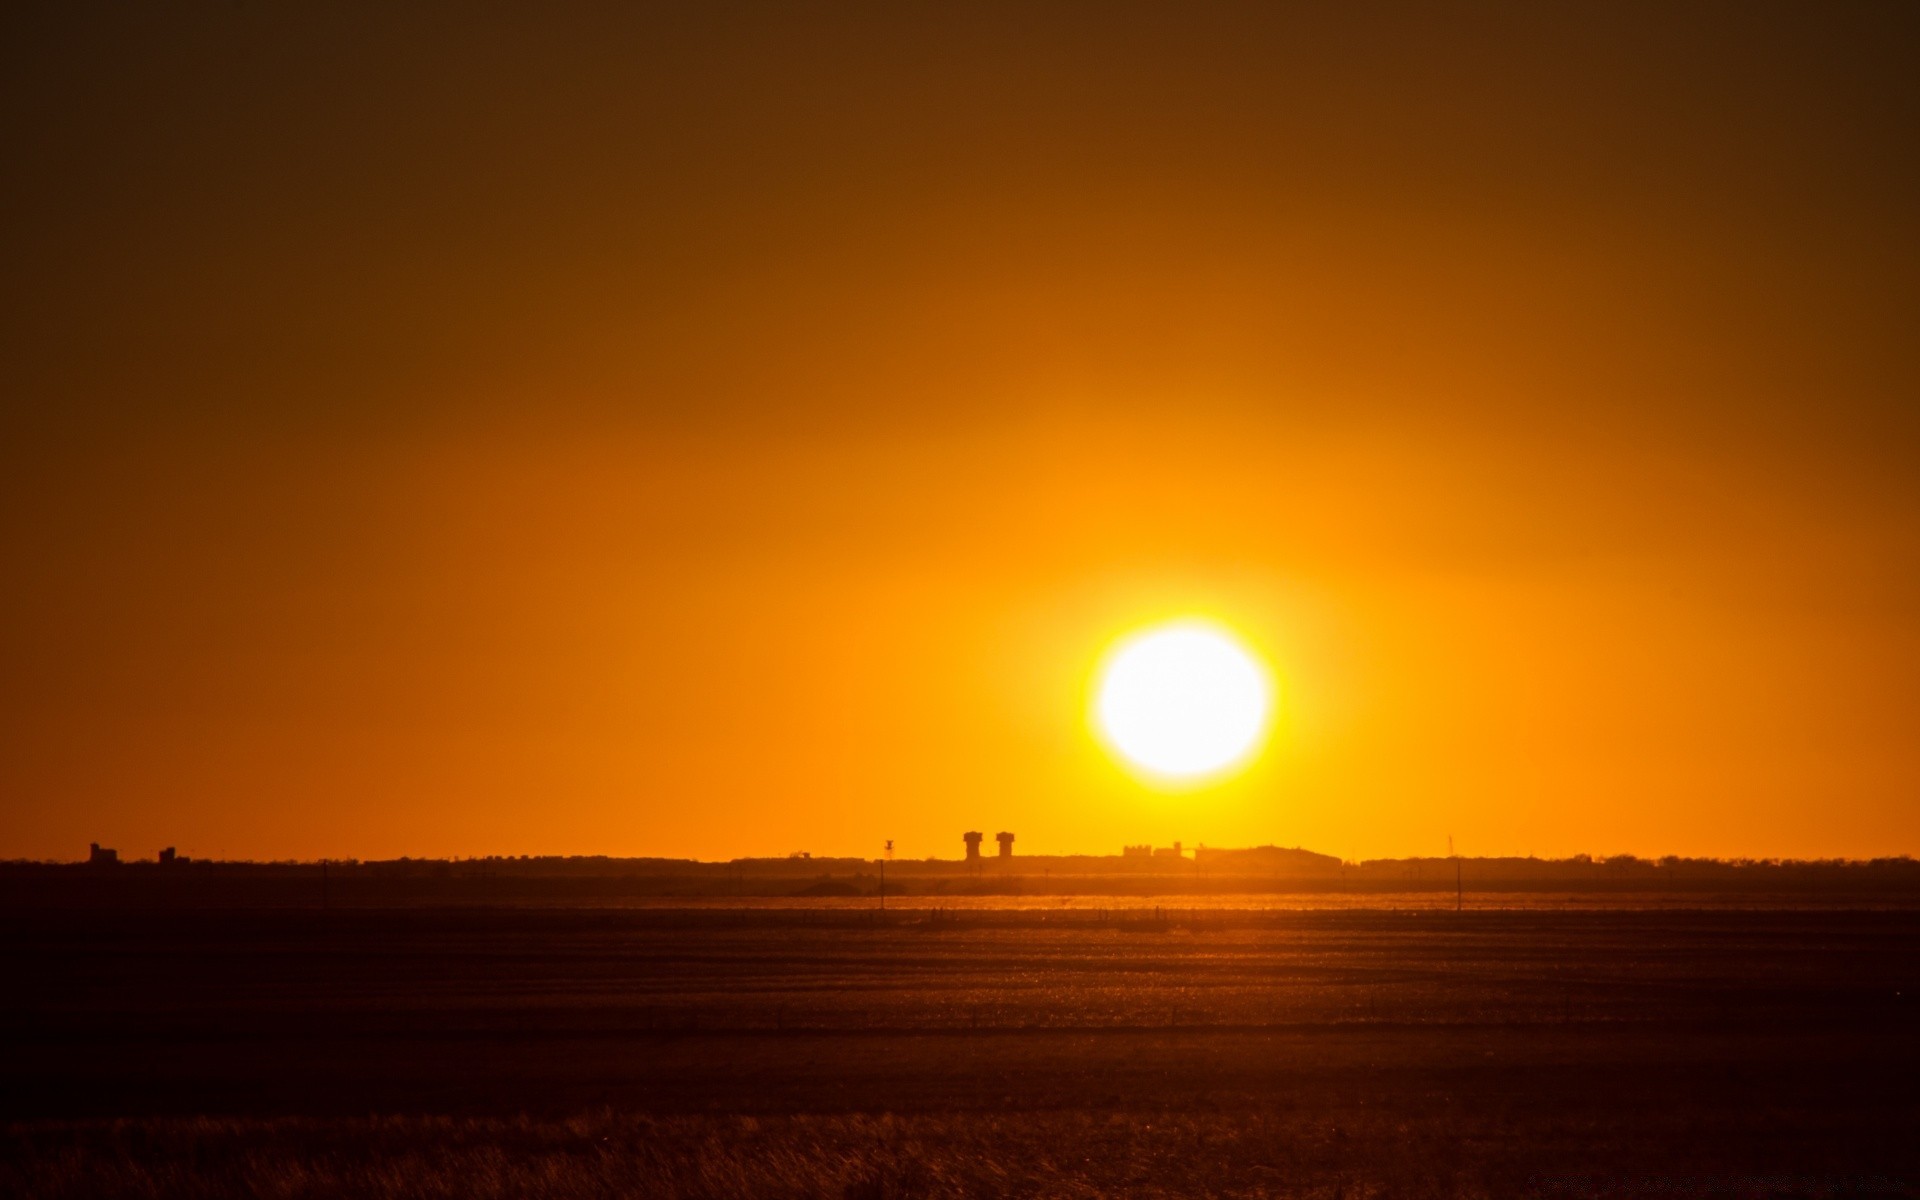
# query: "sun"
{"type": "Point", "coordinates": [1182, 701]}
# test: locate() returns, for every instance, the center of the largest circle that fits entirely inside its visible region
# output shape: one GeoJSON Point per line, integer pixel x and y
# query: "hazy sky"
{"type": "Point", "coordinates": [736, 430]}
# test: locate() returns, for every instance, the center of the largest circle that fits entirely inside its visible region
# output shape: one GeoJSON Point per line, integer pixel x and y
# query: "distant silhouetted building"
{"type": "Point", "coordinates": [1006, 844]}
{"type": "Point", "coordinates": [973, 841]}
{"type": "Point", "coordinates": [1172, 851]}
{"type": "Point", "coordinates": [1274, 860]}
{"type": "Point", "coordinates": [99, 857]}
{"type": "Point", "coordinates": [167, 856]}
{"type": "Point", "coordinates": [1136, 852]}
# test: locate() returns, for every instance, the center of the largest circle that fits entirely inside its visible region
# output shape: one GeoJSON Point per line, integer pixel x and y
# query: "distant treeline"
{"type": "Point", "coordinates": [1656, 872]}
{"type": "Point", "coordinates": [593, 878]}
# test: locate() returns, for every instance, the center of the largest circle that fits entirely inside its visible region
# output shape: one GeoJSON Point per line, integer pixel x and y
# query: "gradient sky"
{"type": "Point", "coordinates": [738, 430]}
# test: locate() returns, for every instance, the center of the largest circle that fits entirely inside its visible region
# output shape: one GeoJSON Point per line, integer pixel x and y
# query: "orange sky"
{"type": "Point", "coordinates": [739, 434]}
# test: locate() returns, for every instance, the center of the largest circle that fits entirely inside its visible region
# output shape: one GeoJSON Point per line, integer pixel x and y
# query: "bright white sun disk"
{"type": "Point", "coordinates": [1183, 700]}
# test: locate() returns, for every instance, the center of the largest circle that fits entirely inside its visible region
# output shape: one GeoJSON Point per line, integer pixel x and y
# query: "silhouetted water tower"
{"type": "Point", "coordinates": [1006, 844]}
{"type": "Point", "coordinates": [973, 841]}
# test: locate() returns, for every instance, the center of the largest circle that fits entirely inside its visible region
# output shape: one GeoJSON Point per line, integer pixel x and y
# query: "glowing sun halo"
{"type": "Point", "coordinates": [1182, 701]}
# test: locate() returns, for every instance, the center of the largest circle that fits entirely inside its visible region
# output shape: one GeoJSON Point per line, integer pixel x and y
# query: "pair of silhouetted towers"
{"type": "Point", "coordinates": [973, 841]}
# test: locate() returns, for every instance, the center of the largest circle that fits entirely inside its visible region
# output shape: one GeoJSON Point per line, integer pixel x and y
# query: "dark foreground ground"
{"type": "Point", "coordinates": [555, 1052]}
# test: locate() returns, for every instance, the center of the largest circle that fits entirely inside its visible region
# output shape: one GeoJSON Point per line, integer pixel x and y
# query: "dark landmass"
{"type": "Point", "coordinates": [1263, 871]}
{"type": "Point", "coordinates": [932, 1052]}
{"type": "Point", "coordinates": [1231, 1023]}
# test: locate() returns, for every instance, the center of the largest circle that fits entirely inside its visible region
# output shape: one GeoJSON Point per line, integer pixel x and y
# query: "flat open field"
{"type": "Point", "coordinates": [1071, 1050]}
